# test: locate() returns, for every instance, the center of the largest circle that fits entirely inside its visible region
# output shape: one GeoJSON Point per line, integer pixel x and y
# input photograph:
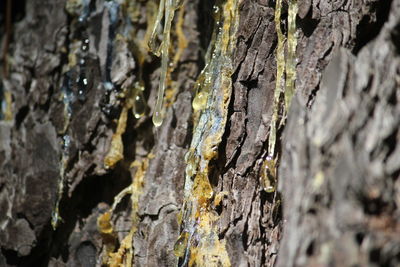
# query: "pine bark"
{"type": "Point", "coordinates": [339, 188]}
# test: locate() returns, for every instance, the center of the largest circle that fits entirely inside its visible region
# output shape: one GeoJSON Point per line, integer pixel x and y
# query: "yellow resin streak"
{"type": "Point", "coordinates": [280, 80]}
{"type": "Point", "coordinates": [291, 54]}
{"type": "Point", "coordinates": [116, 152]}
{"type": "Point", "coordinates": [285, 84]}
{"type": "Point", "coordinates": [124, 254]}
{"type": "Point", "coordinates": [8, 110]}
{"type": "Point", "coordinates": [198, 218]}
{"type": "Point", "coordinates": [140, 50]}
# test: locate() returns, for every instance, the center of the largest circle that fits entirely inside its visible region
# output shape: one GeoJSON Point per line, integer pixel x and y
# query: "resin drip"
{"type": "Point", "coordinates": [291, 54]}
{"type": "Point", "coordinates": [199, 244]}
{"type": "Point", "coordinates": [280, 80]}
{"type": "Point", "coordinates": [68, 97]}
{"type": "Point", "coordinates": [285, 85]}
{"type": "Point", "coordinates": [168, 6]}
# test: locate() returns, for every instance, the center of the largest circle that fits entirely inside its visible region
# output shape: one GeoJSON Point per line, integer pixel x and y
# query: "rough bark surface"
{"type": "Point", "coordinates": [339, 176]}
{"type": "Point", "coordinates": [341, 161]}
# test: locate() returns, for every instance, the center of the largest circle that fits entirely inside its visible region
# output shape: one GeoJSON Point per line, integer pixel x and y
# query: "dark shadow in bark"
{"type": "Point", "coordinates": [17, 11]}
{"type": "Point", "coordinates": [205, 24]}
{"type": "Point", "coordinates": [21, 115]}
{"type": "Point", "coordinates": [369, 27]}
{"type": "Point", "coordinates": [56, 243]}
{"type": "Point", "coordinates": [307, 24]}
{"type": "Point", "coordinates": [395, 39]}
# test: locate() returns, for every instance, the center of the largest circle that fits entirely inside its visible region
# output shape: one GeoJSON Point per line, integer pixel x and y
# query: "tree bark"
{"type": "Point", "coordinates": [340, 165]}
{"type": "Point", "coordinates": [78, 155]}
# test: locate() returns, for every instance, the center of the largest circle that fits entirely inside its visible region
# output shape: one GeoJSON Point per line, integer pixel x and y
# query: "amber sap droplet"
{"type": "Point", "coordinates": [139, 107]}
{"type": "Point", "coordinates": [269, 175]}
{"type": "Point", "coordinates": [200, 101]}
{"type": "Point", "coordinates": [157, 118]}
{"type": "Point", "coordinates": [181, 244]}
{"type": "Point", "coordinates": [104, 223]}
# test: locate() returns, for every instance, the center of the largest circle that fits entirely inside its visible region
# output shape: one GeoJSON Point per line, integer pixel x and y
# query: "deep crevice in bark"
{"type": "Point", "coordinates": [372, 23]}
{"type": "Point", "coordinates": [250, 219]}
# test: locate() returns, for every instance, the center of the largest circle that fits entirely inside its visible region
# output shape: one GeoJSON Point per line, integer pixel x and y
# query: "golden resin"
{"type": "Point", "coordinates": [213, 91]}
{"type": "Point", "coordinates": [168, 8]}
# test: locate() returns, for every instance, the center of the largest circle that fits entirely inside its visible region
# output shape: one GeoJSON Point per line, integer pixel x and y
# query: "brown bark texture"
{"type": "Point", "coordinates": [70, 79]}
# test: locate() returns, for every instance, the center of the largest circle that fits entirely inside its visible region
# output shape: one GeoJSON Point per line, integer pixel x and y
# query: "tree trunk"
{"type": "Point", "coordinates": [86, 179]}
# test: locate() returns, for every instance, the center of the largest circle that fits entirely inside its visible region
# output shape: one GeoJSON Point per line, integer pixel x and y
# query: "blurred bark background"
{"type": "Point", "coordinates": [76, 78]}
